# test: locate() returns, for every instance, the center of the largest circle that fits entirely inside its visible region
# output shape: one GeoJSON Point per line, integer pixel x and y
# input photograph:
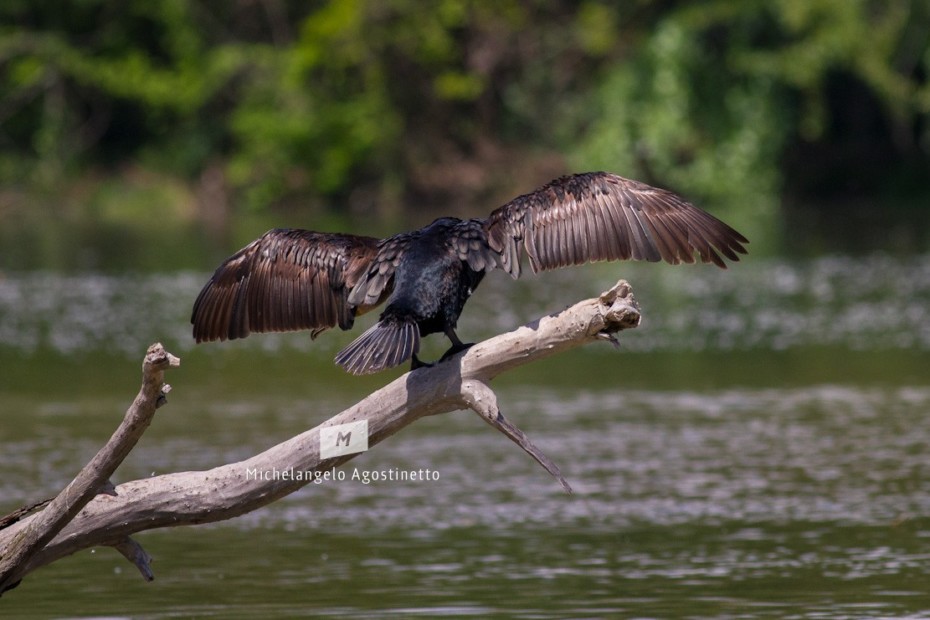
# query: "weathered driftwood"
{"type": "Point", "coordinates": [90, 512]}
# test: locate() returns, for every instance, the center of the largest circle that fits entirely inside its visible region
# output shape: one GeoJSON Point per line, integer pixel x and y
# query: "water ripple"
{"type": "Point", "coordinates": [860, 303]}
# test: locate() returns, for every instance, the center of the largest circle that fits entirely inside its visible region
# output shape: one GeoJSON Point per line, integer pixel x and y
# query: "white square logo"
{"type": "Point", "coordinates": [343, 439]}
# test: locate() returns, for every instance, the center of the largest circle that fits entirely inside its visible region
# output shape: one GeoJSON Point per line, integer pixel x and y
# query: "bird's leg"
{"type": "Point", "coordinates": [415, 363]}
{"type": "Point", "coordinates": [457, 345]}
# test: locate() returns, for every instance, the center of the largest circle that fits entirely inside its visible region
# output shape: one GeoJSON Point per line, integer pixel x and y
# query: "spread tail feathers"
{"type": "Point", "coordinates": [384, 345]}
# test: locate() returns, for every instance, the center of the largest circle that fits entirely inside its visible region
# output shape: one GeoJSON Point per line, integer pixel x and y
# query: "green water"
{"type": "Point", "coordinates": [759, 447]}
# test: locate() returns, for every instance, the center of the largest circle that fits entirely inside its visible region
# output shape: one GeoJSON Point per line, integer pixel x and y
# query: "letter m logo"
{"type": "Point", "coordinates": [343, 439]}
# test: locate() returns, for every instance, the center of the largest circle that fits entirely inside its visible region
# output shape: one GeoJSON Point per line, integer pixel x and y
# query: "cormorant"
{"type": "Point", "coordinates": [297, 279]}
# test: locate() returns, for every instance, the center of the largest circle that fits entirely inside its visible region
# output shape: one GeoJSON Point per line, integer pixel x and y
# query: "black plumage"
{"type": "Point", "coordinates": [297, 279]}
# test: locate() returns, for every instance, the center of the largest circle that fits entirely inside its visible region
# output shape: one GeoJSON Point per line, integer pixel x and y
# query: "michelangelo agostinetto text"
{"type": "Point", "coordinates": [365, 476]}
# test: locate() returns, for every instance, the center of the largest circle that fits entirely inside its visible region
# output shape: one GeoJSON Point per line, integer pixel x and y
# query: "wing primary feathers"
{"type": "Point", "coordinates": [286, 280]}
{"type": "Point", "coordinates": [257, 299]}
{"type": "Point", "coordinates": [665, 240]}
{"type": "Point", "coordinates": [600, 216]}
{"type": "Point", "coordinates": [620, 238]}
{"type": "Point", "coordinates": [675, 234]}
{"type": "Point", "coordinates": [598, 233]}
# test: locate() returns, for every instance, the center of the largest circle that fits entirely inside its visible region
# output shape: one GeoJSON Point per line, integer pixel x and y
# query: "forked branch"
{"type": "Point", "coordinates": [89, 513]}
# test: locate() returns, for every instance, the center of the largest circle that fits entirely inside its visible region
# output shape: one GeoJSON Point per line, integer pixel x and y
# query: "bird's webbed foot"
{"type": "Point", "coordinates": [455, 349]}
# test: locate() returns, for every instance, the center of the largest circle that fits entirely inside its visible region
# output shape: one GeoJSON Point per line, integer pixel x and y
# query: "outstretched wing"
{"type": "Point", "coordinates": [286, 280]}
{"type": "Point", "coordinates": [599, 216]}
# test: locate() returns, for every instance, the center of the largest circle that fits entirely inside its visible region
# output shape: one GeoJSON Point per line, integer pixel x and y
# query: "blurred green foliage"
{"type": "Point", "coordinates": [378, 107]}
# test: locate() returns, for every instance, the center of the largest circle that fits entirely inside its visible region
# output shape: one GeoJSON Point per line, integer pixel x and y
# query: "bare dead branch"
{"type": "Point", "coordinates": [94, 477]}
{"type": "Point", "coordinates": [82, 517]}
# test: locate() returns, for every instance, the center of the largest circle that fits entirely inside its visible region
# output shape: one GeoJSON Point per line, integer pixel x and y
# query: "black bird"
{"type": "Point", "coordinates": [298, 279]}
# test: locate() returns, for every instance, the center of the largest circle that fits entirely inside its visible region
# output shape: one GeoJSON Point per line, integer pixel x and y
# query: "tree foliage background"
{"type": "Point", "coordinates": [779, 115]}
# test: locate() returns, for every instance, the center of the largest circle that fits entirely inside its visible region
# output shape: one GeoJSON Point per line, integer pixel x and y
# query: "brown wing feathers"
{"type": "Point", "coordinates": [600, 216]}
{"type": "Point", "coordinates": [296, 279]}
{"type": "Point", "coordinates": [375, 281]}
{"type": "Point", "coordinates": [286, 280]}
{"type": "Point", "coordinates": [219, 310]}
